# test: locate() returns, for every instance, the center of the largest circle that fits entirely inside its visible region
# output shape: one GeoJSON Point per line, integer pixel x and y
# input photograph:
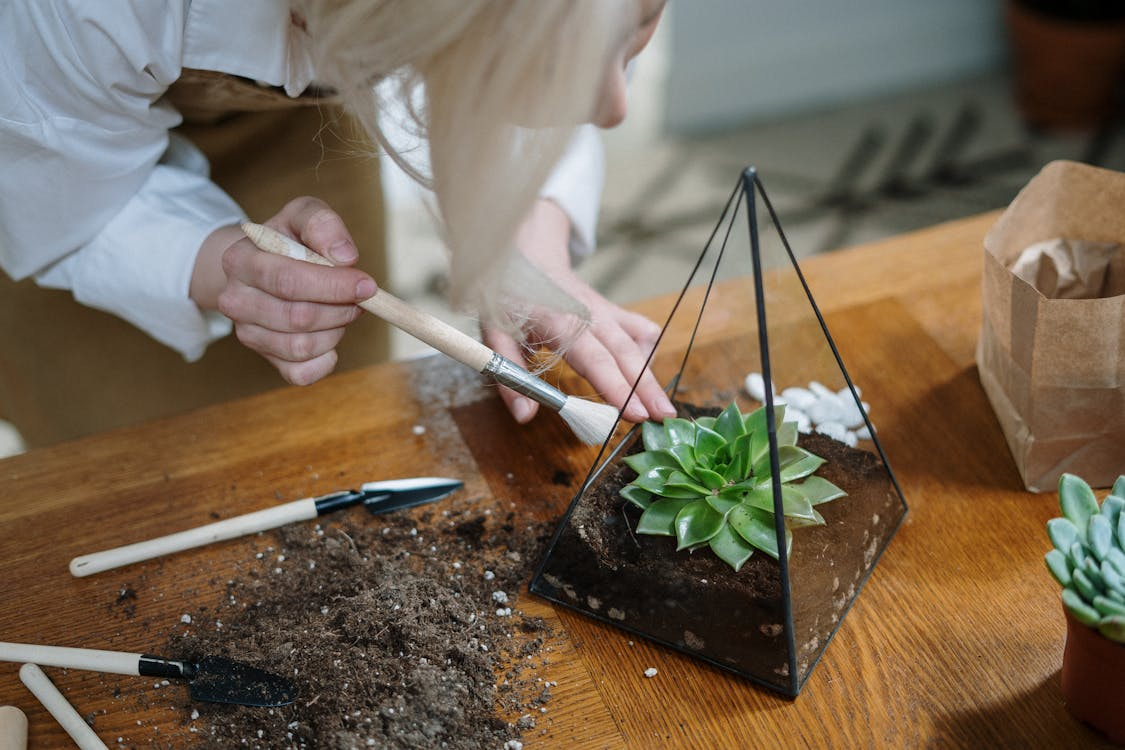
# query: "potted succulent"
{"type": "Point", "coordinates": [1088, 560]}
{"type": "Point", "coordinates": [1069, 61]}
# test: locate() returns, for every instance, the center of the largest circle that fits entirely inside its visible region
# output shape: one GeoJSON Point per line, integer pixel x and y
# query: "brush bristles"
{"type": "Point", "coordinates": [591, 422]}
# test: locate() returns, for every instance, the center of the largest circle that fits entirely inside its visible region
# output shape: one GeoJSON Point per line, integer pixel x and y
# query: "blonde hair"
{"type": "Point", "coordinates": [496, 87]}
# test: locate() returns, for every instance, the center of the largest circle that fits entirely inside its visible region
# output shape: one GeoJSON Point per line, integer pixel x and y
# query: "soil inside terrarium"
{"type": "Point", "coordinates": [695, 602]}
{"type": "Point", "coordinates": [395, 637]}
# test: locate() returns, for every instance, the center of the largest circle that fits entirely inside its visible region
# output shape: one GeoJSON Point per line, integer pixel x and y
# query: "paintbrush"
{"type": "Point", "coordinates": [591, 422]}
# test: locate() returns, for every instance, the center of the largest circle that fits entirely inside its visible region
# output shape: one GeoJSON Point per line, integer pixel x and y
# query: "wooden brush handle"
{"type": "Point", "coordinates": [422, 326]}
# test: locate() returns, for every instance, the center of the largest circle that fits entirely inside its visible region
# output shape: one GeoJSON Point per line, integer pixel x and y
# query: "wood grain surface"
{"type": "Point", "coordinates": [955, 642]}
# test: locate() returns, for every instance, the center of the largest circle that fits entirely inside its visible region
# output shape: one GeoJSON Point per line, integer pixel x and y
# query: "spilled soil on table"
{"type": "Point", "coordinates": [393, 633]}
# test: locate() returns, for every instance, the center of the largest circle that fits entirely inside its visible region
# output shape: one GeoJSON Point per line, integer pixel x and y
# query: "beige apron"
{"type": "Point", "coordinates": [67, 370]}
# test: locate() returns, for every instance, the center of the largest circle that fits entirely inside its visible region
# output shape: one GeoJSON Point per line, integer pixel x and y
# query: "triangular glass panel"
{"type": "Point", "coordinates": [742, 534]}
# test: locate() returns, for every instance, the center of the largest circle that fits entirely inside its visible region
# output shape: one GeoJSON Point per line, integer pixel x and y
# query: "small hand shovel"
{"type": "Point", "coordinates": [213, 679]}
{"type": "Point", "coordinates": [377, 497]}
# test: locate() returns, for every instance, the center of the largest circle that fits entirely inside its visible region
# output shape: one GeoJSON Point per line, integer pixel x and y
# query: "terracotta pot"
{"type": "Point", "coordinates": [1068, 74]}
{"type": "Point", "coordinates": [1093, 679]}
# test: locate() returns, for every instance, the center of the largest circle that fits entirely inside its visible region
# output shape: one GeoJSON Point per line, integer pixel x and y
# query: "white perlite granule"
{"type": "Point", "coordinates": [818, 409]}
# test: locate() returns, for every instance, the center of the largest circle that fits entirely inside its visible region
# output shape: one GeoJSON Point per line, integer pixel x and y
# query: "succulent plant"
{"type": "Point", "coordinates": [1089, 555]}
{"type": "Point", "coordinates": [707, 482]}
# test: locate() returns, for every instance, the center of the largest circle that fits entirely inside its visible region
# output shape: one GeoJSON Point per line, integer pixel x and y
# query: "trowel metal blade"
{"type": "Point", "coordinates": [405, 493]}
{"type": "Point", "coordinates": [221, 680]}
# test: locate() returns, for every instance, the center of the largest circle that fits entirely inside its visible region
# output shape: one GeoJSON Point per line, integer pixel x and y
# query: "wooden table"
{"type": "Point", "coordinates": [956, 640]}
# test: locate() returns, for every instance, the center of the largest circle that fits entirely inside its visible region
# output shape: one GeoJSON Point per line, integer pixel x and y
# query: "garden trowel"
{"type": "Point", "coordinates": [213, 679]}
{"type": "Point", "coordinates": [377, 497]}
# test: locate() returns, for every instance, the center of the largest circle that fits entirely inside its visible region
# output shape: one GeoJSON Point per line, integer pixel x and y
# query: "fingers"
{"type": "Point", "coordinates": [288, 347]}
{"type": "Point", "coordinates": [644, 332]}
{"type": "Point", "coordinates": [610, 355]}
{"type": "Point", "coordinates": [295, 280]}
{"type": "Point", "coordinates": [612, 361]}
{"type": "Point", "coordinates": [292, 312]}
{"type": "Point", "coordinates": [247, 304]}
{"type": "Point", "coordinates": [522, 408]}
{"type": "Point", "coordinates": [318, 227]}
{"type": "Point", "coordinates": [307, 372]}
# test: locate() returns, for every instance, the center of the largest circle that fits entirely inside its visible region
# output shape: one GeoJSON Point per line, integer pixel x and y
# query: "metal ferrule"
{"type": "Point", "coordinates": [156, 666]}
{"type": "Point", "coordinates": [506, 372]}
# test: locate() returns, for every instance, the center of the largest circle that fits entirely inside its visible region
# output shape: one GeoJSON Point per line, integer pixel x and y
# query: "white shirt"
{"type": "Point", "coordinates": [96, 197]}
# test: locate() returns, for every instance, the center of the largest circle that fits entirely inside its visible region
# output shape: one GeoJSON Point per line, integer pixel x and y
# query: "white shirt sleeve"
{"type": "Point", "coordinates": [576, 185]}
{"type": "Point", "coordinates": [139, 266]}
{"type": "Point", "coordinates": [92, 197]}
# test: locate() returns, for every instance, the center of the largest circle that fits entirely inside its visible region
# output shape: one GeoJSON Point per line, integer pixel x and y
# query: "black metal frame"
{"type": "Point", "coordinates": [748, 187]}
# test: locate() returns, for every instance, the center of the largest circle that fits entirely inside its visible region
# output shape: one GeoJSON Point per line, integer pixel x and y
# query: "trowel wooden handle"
{"type": "Point", "coordinates": [89, 659]}
{"type": "Point", "coordinates": [59, 707]}
{"type": "Point", "coordinates": [422, 326]}
{"type": "Point", "coordinates": [229, 528]}
{"type": "Point", "coordinates": [13, 729]}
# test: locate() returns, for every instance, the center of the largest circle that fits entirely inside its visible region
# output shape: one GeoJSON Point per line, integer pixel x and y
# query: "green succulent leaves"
{"type": "Point", "coordinates": [707, 482]}
{"type": "Point", "coordinates": [1088, 558]}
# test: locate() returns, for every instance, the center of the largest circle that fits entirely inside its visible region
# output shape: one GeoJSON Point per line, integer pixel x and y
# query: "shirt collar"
{"type": "Point", "coordinates": [254, 39]}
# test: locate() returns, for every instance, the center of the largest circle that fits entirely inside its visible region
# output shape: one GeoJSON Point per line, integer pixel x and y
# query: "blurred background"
{"type": "Point", "coordinates": [865, 119]}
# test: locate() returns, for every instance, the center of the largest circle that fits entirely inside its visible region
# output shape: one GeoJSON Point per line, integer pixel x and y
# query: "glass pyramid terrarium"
{"type": "Point", "coordinates": [742, 532]}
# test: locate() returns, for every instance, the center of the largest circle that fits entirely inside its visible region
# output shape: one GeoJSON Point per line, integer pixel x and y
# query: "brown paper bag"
{"type": "Point", "coordinates": [1051, 353]}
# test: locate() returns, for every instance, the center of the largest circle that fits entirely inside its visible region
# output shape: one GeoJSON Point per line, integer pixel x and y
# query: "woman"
{"type": "Point", "coordinates": [98, 197]}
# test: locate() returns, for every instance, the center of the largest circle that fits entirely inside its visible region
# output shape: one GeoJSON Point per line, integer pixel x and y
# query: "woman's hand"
{"type": "Point", "coordinates": [291, 312]}
{"type": "Point", "coordinates": [610, 354]}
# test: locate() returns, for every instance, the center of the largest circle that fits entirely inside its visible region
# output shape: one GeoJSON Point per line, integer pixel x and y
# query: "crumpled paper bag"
{"type": "Point", "coordinates": [1051, 353]}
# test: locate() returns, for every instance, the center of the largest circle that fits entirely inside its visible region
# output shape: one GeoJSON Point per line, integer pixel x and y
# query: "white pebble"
{"type": "Point", "coordinates": [513, 745]}
{"type": "Point", "coordinates": [419, 429]}
{"type": "Point", "coordinates": [863, 433]}
{"type": "Point", "coordinates": [799, 398]}
{"type": "Point", "coordinates": [834, 430]}
{"type": "Point", "coordinates": [850, 439]}
{"type": "Point", "coordinates": [852, 415]}
{"type": "Point", "coordinates": [804, 424]}
{"type": "Point", "coordinates": [828, 408]}
{"type": "Point", "coordinates": [185, 619]}
{"type": "Point", "coordinates": [194, 714]}
{"type": "Point", "coordinates": [821, 389]}
{"type": "Point", "coordinates": [756, 386]}
{"type": "Point", "coordinates": [499, 597]}
{"type": "Point", "coordinates": [650, 672]}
